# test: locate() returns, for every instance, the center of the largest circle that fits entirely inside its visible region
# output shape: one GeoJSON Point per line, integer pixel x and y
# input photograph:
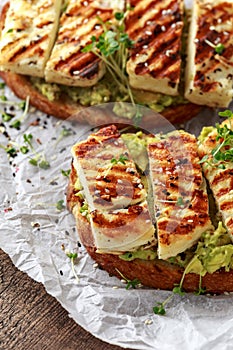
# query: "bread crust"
{"type": "Point", "coordinates": [157, 274]}
{"type": "Point", "coordinates": [65, 108]}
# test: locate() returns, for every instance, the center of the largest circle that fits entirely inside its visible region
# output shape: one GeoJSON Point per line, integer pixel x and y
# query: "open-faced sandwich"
{"type": "Point", "coordinates": [145, 211]}
{"type": "Point", "coordinates": [67, 55]}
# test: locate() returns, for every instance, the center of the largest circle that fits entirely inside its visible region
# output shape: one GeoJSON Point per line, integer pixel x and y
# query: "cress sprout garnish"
{"type": "Point", "coordinates": [219, 48]}
{"type": "Point", "coordinates": [223, 151]}
{"type": "Point", "coordinates": [73, 257]}
{"type": "Point", "coordinates": [112, 47]}
{"type": "Point", "coordinates": [65, 173]}
{"type": "Point", "coordinates": [60, 205]}
{"type": "Point", "coordinates": [129, 283]}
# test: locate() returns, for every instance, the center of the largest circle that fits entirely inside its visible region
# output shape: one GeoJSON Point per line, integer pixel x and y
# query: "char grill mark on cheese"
{"type": "Point", "coordinates": [28, 35]}
{"type": "Point", "coordinates": [68, 64]}
{"type": "Point", "coordinates": [209, 75]}
{"type": "Point", "coordinates": [220, 180]}
{"type": "Point", "coordinates": [176, 175]}
{"type": "Point", "coordinates": [156, 28]}
{"type": "Point", "coordinates": [109, 185]}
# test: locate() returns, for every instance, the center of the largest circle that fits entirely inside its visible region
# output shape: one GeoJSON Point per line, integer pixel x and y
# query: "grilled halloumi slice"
{"type": "Point", "coordinates": [209, 71]}
{"type": "Point", "coordinates": [155, 60]}
{"type": "Point", "coordinates": [107, 172]}
{"type": "Point", "coordinates": [179, 190]}
{"type": "Point", "coordinates": [68, 65]}
{"type": "Point", "coordinates": [114, 194]}
{"type": "Point", "coordinates": [219, 175]}
{"type": "Point", "coordinates": [28, 35]}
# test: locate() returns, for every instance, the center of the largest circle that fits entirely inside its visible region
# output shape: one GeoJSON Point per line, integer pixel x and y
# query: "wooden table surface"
{"type": "Point", "coordinates": [31, 319]}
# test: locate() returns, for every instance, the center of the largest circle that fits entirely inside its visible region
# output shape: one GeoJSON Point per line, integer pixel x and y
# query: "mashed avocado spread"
{"type": "Point", "coordinates": [214, 251]}
{"type": "Point", "coordinates": [104, 91]}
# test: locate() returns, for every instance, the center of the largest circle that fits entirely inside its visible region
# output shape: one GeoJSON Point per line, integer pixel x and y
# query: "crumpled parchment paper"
{"type": "Point", "coordinates": [34, 233]}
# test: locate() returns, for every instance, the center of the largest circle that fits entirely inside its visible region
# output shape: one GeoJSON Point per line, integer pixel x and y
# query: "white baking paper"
{"type": "Point", "coordinates": [34, 233]}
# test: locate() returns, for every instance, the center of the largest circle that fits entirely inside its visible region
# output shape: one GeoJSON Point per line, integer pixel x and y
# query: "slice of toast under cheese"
{"type": "Point", "coordinates": [155, 61]}
{"type": "Point", "coordinates": [209, 70]}
{"type": "Point", "coordinates": [180, 195]}
{"type": "Point", "coordinates": [28, 35]}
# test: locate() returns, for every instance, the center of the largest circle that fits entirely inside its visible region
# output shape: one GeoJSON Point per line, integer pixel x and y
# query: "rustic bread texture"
{"type": "Point", "coordinates": [155, 273]}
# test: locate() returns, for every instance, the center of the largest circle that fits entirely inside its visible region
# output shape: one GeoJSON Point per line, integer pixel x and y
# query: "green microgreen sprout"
{"type": "Point", "coordinates": [2, 85]}
{"type": "Point", "coordinates": [122, 159]}
{"type": "Point", "coordinates": [60, 205]}
{"type": "Point", "coordinates": [180, 201]}
{"type": "Point", "coordinates": [73, 257]}
{"type": "Point", "coordinates": [3, 98]}
{"type": "Point", "coordinates": [64, 133]}
{"type": "Point", "coordinates": [159, 308]}
{"type": "Point", "coordinates": [219, 48]}
{"type": "Point", "coordinates": [6, 117]}
{"type": "Point", "coordinates": [112, 47]}
{"type": "Point", "coordinates": [66, 173]}
{"type": "Point", "coordinates": [223, 151]}
{"type": "Point", "coordinates": [10, 150]}
{"type": "Point", "coordinates": [130, 283]}
{"type": "Point", "coordinates": [17, 123]}
{"type": "Point", "coordinates": [39, 158]}
{"type": "Point", "coordinates": [200, 290]}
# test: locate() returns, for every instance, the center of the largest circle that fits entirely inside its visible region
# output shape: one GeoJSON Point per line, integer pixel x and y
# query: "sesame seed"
{"type": "Point", "coordinates": [163, 28]}
{"type": "Point", "coordinates": [76, 72]}
{"type": "Point", "coordinates": [212, 28]}
{"type": "Point", "coordinates": [168, 53]}
{"type": "Point", "coordinates": [95, 265]}
{"type": "Point", "coordinates": [148, 221]}
{"type": "Point", "coordinates": [107, 190]}
{"type": "Point", "coordinates": [148, 322]}
{"type": "Point", "coordinates": [164, 12]}
{"type": "Point", "coordinates": [190, 220]}
{"type": "Point", "coordinates": [85, 20]}
{"type": "Point", "coordinates": [120, 181]}
{"type": "Point", "coordinates": [173, 25]}
{"type": "Point", "coordinates": [115, 287]}
{"type": "Point", "coordinates": [145, 47]}
{"type": "Point", "coordinates": [85, 3]}
{"type": "Point", "coordinates": [196, 40]}
{"type": "Point", "coordinates": [225, 33]}
{"type": "Point", "coordinates": [140, 186]}
{"type": "Point", "coordinates": [146, 64]}
{"type": "Point", "coordinates": [98, 177]}
{"type": "Point", "coordinates": [148, 32]}
{"type": "Point", "coordinates": [219, 20]}
{"type": "Point", "coordinates": [116, 143]}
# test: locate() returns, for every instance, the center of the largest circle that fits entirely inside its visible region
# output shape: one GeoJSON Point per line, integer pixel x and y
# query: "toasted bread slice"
{"type": "Point", "coordinates": [28, 35]}
{"type": "Point", "coordinates": [155, 60]}
{"type": "Point", "coordinates": [154, 273]}
{"type": "Point", "coordinates": [209, 71]}
{"type": "Point", "coordinates": [179, 190]}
